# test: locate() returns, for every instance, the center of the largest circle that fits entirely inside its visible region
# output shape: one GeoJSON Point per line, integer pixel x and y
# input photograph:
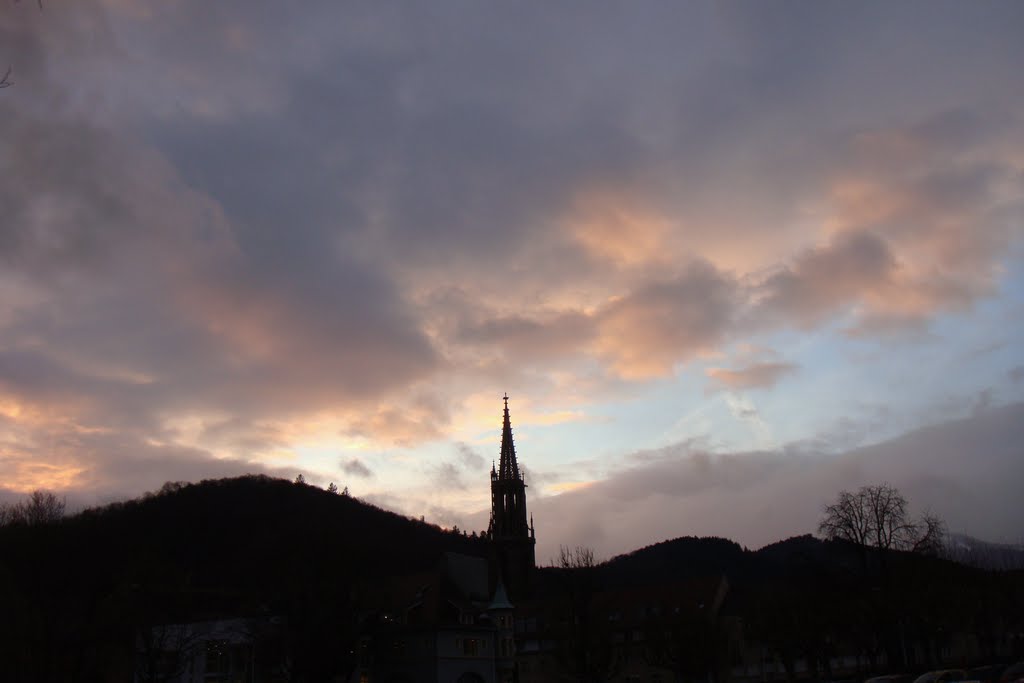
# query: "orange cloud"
{"type": "Point", "coordinates": [618, 228]}
{"type": "Point", "coordinates": [644, 334]}
{"type": "Point", "coordinates": [567, 486]}
{"type": "Point", "coordinates": [406, 423]}
{"type": "Point", "coordinates": [756, 376]}
{"type": "Point", "coordinates": [32, 475]}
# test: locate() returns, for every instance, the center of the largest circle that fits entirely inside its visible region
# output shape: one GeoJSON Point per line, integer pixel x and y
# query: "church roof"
{"type": "Point", "coordinates": [508, 468]}
{"type": "Point", "coordinates": [500, 599]}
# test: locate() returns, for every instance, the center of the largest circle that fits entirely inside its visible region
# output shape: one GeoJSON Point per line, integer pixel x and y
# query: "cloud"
{"type": "Point", "coordinates": [646, 332]}
{"type": "Point", "coordinates": [214, 246]}
{"type": "Point", "coordinates": [619, 229]}
{"type": "Point", "coordinates": [546, 337]}
{"type": "Point", "coordinates": [356, 468]}
{"type": "Point", "coordinates": [448, 476]}
{"type": "Point", "coordinates": [402, 423]}
{"type": "Point", "coordinates": [855, 266]}
{"type": "Point", "coordinates": [140, 302]}
{"type": "Point", "coordinates": [94, 466]}
{"type": "Point", "coordinates": [469, 457]}
{"type": "Point", "coordinates": [761, 375]}
{"type": "Point", "coordinates": [759, 497]}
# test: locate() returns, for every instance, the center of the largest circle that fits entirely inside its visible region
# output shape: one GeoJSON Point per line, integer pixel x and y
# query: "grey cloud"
{"type": "Point", "coordinates": [469, 457]}
{"type": "Point", "coordinates": [452, 475]}
{"type": "Point", "coordinates": [429, 512]}
{"type": "Point", "coordinates": [522, 338]}
{"type": "Point", "coordinates": [243, 437]}
{"type": "Point", "coordinates": [1017, 373]}
{"type": "Point", "coordinates": [146, 280]}
{"type": "Point", "coordinates": [964, 470]}
{"type": "Point", "coordinates": [848, 431]}
{"type": "Point", "coordinates": [887, 325]}
{"type": "Point", "coordinates": [532, 476]}
{"type": "Point", "coordinates": [356, 468]}
{"type": "Point", "coordinates": [447, 476]}
{"type": "Point", "coordinates": [823, 279]}
{"type": "Point", "coordinates": [447, 517]}
{"type": "Point", "coordinates": [983, 401]}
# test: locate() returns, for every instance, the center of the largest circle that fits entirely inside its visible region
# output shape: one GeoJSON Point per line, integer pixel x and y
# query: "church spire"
{"type": "Point", "coordinates": [508, 467]}
{"type": "Point", "coordinates": [512, 536]}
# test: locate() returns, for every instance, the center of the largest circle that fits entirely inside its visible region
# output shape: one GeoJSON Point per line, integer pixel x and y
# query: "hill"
{"type": "Point", "coordinates": [78, 592]}
{"type": "Point", "coordinates": [75, 592]}
{"type": "Point", "coordinates": [693, 557]}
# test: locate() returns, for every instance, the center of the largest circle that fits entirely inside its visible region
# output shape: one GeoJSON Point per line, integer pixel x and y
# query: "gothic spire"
{"type": "Point", "coordinates": [508, 467]}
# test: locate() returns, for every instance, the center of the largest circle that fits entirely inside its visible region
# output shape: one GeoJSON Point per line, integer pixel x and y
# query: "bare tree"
{"type": "Point", "coordinates": [8, 514]}
{"type": "Point", "coordinates": [876, 516]}
{"type": "Point", "coordinates": [41, 507]}
{"type": "Point", "coordinates": [891, 526]}
{"type": "Point", "coordinates": [847, 519]}
{"type": "Point", "coordinates": [931, 536]}
{"type": "Point", "coordinates": [580, 557]}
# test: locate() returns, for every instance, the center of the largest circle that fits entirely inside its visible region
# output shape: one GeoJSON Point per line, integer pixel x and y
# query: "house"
{"type": "Point", "coordinates": [214, 651]}
{"type": "Point", "coordinates": [442, 625]}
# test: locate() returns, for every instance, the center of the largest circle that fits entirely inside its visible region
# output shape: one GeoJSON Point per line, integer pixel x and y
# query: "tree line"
{"type": "Point", "coordinates": [40, 507]}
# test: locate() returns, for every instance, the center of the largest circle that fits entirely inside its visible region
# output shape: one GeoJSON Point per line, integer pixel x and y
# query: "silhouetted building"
{"type": "Point", "coordinates": [213, 651]}
{"type": "Point", "coordinates": [513, 539]}
{"type": "Point", "coordinates": [439, 626]}
{"type": "Point", "coordinates": [577, 629]}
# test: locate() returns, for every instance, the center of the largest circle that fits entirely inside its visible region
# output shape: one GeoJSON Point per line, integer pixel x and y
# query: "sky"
{"type": "Point", "coordinates": [726, 259]}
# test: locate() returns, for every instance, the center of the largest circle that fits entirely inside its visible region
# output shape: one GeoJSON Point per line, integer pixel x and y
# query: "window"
{"type": "Point", "coordinates": [470, 646]}
{"type": "Point", "coordinates": [217, 661]}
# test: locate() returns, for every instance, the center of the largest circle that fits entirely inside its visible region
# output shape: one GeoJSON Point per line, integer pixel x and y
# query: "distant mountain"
{"type": "Point", "coordinates": [974, 552]}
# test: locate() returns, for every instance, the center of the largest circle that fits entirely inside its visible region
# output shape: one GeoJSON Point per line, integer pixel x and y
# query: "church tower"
{"type": "Point", "coordinates": [513, 539]}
